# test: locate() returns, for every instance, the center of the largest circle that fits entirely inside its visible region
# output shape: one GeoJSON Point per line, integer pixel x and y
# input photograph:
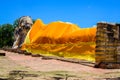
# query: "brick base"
{"type": "Point", "coordinates": [108, 65]}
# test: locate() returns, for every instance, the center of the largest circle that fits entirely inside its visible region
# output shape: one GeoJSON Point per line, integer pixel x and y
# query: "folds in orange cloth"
{"type": "Point", "coordinates": [52, 37]}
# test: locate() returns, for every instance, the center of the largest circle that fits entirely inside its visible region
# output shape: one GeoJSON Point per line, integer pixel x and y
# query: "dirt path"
{"type": "Point", "coordinates": [38, 64]}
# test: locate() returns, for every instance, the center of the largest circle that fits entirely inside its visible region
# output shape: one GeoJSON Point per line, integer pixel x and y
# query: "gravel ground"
{"type": "Point", "coordinates": [16, 66]}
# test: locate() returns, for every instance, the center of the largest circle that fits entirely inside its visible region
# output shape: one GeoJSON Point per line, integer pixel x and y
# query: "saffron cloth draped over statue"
{"type": "Point", "coordinates": [61, 39]}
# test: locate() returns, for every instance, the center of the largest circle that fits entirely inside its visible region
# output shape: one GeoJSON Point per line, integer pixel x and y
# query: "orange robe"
{"type": "Point", "coordinates": [61, 39]}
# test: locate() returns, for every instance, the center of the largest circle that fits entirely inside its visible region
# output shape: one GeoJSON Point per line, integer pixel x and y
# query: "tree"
{"type": "Point", "coordinates": [33, 20]}
{"type": "Point", "coordinates": [6, 35]}
{"type": "Point", "coordinates": [0, 37]}
{"type": "Point", "coordinates": [15, 24]}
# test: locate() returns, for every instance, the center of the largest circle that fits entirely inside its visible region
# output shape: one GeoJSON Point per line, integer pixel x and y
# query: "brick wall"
{"type": "Point", "coordinates": [107, 45]}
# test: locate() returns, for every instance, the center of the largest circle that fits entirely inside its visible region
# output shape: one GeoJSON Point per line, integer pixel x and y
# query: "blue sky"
{"type": "Point", "coordinates": [84, 13]}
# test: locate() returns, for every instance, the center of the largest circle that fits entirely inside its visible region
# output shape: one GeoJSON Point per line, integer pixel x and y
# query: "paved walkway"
{"type": "Point", "coordinates": [38, 64]}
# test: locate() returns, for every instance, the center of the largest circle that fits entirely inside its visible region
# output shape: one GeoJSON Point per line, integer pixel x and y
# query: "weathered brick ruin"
{"type": "Point", "coordinates": [107, 45]}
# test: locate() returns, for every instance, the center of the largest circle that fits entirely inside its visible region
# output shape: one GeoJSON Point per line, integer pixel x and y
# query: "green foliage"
{"type": "Point", "coordinates": [33, 20]}
{"type": "Point", "coordinates": [15, 24]}
{"type": "Point", "coordinates": [6, 35]}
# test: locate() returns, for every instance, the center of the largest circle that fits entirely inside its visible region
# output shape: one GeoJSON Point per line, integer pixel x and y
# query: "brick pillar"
{"type": "Point", "coordinates": [107, 45]}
